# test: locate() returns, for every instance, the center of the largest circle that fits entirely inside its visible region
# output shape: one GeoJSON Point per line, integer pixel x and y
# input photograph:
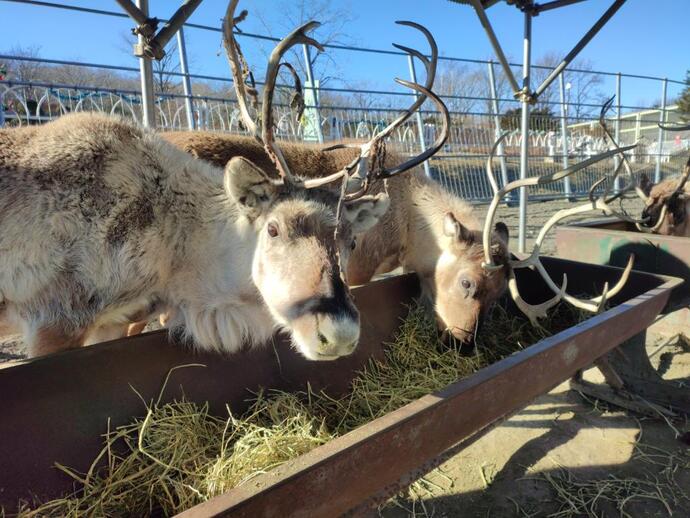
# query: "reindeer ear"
{"type": "Point", "coordinates": [453, 228]}
{"type": "Point", "coordinates": [646, 184]}
{"type": "Point", "coordinates": [363, 213]}
{"type": "Point", "coordinates": [248, 186]}
{"type": "Point", "coordinates": [501, 231]}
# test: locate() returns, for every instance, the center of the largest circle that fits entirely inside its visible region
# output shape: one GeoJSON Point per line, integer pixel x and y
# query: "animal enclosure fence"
{"type": "Point", "coordinates": [563, 129]}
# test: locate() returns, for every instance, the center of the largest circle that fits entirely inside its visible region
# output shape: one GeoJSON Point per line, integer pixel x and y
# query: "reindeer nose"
{"type": "Point", "coordinates": [338, 336]}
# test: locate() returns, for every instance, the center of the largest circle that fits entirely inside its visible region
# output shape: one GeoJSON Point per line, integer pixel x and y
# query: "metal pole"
{"type": "Point", "coordinates": [564, 138]}
{"type": "Point", "coordinates": [662, 119]}
{"type": "Point", "coordinates": [166, 33]}
{"type": "Point", "coordinates": [137, 13]}
{"type": "Point", "coordinates": [579, 46]}
{"type": "Point", "coordinates": [484, 20]}
{"type": "Point", "coordinates": [497, 123]}
{"type": "Point", "coordinates": [418, 114]}
{"type": "Point", "coordinates": [524, 148]}
{"type": "Point", "coordinates": [146, 72]}
{"type": "Point", "coordinates": [310, 78]}
{"type": "Point", "coordinates": [186, 82]}
{"type": "Point", "coordinates": [617, 129]}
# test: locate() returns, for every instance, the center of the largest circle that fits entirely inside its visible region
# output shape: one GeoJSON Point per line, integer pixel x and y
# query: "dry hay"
{"type": "Point", "coordinates": [179, 455]}
{"type": "Point", "coordinates": [612, 495]}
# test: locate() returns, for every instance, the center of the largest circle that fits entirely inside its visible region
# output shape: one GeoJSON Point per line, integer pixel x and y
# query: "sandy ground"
{"type": "Point", "coordinates": [565, 439]}
{"type": "Point", "coordinates": [561, 438]}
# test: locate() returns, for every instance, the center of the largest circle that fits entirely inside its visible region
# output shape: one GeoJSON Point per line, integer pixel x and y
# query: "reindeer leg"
{"type": "Point", "coordinates": [105, 333]}
{"type": "Point", "coordinates": [136, 328]}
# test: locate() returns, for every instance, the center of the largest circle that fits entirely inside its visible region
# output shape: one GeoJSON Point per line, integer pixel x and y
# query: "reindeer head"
{"type": "Point", "coordinates": [665, 204]}
{"type": "Point", "coordinates": [463, 291]}
{"type": "Point", "coordinates": [305, 230]}
{"type": "Point", "coordinates": [300, 246]}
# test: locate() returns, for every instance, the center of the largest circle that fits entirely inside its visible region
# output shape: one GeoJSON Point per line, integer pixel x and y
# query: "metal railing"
{"type": "Point", "coordinates": [567, 133]}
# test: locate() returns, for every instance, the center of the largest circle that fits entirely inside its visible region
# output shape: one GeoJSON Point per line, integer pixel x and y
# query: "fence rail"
{"type": "Point", "coordinates": [566, 133]}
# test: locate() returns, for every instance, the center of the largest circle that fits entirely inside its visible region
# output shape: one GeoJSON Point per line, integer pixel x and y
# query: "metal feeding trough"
{"type": "Point", "coordinates": [609, 241]}
{"type": "Point", "coordinates": [55, 409]}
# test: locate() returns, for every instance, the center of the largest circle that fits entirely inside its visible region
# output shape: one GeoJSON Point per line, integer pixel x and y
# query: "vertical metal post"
{"type": "Point", "coordinates": [524, 148]}
{"type": "Point", "coordinates": [146, 73]}
{"type": "Point", "coordinates": [617, 129]}
{"type": "Point", "coordinates": [418, 114]}
{"type": "Point", "coordinates": [186, 82]}
{"type": "Point", "coordinates": [310, 78]}
{"type": "Point", "coordinates": [567, 190]}
{"type": "Point", "coordinates": [662, 119]}
{"type": "Point", "coordinates": [497, 123]}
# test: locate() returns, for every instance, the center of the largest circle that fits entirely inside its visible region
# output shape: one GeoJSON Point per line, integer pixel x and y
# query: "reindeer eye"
{"type": "Point", "coordinates": [466, 284]}
{"type": "Point", "coordinates": [272, 229]}
{"type": "Point", "coordinates": [353, 245]}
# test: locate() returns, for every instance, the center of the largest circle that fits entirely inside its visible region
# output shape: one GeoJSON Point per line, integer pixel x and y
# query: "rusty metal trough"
{"type": "Point", "coordinates": [54, 409]}
{"type": "Point", "coordinates": [609, 241]}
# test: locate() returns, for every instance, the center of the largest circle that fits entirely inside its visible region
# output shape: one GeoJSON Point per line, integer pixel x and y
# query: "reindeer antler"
{"type": "Point", "coordinates": [359, 170]}
{"type": "Point", "coordinates": [534, 312]}
{"type": "Point", "coordinates": [240, 72]}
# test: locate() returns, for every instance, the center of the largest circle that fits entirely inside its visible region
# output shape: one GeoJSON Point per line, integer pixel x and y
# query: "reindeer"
{"type": "Point", "coordinates": [103, 223]}
{"type": "Point", "coordinates": [667, 204]}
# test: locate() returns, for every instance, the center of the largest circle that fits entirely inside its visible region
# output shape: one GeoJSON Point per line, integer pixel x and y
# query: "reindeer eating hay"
{"type": "Point", "coordinates": [102, 223]}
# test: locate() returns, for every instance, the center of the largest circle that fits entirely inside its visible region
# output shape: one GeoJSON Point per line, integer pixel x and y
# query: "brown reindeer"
{"type": "Point", "coordinates": [103, 223]}
{"type": "Point", "coordinates": [667, 204]}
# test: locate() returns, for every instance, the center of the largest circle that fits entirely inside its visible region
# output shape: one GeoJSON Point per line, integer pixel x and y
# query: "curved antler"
{"type": "Point", "coordinates": [534, 312]}
{"type": "Point", "coordinates": [240, 72]}
{"type": "Point", "coordinates": [360, 170]}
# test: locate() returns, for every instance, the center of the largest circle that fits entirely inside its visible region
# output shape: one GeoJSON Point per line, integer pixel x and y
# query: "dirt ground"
{"type": "Point", "coordinates": [564, 455]}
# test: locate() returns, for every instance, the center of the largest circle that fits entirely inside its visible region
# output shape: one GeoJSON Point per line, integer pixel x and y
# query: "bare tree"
{"type": "Point", "coordinates": [25, 70]}
{"type": "Point", "coordinates": [464, 85]}
{"type": "Point", "coordinates": [582, 91]}
{"type": "Point", "coordinates": [333, 31]}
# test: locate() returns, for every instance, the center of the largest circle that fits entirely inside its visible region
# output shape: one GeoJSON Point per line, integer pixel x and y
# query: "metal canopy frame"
{"type": "Point", "coordinates": [151, 45]}
{"type": "Point", "coordinates": [525, 94]}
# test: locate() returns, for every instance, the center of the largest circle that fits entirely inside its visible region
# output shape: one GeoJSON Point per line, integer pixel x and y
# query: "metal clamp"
{"type": "Point", "coordinates": [525, 96]}
{"type": "Point", "coordinates": [153, 42]}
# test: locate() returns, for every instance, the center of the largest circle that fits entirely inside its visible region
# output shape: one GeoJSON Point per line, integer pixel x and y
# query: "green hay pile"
{"type": "Point", "coordinates": [179, 455]}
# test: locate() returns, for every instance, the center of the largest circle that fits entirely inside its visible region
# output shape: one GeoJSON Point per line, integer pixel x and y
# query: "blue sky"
{"type": "Point", "coordinates": [645, 37]}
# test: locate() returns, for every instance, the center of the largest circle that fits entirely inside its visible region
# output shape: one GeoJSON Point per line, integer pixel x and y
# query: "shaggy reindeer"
{"type": "Point", "coordinates": [102, 223]}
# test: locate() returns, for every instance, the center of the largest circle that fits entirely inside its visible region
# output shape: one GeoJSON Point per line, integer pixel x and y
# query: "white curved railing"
{"type": "Point", "coordinates": [459, 166]}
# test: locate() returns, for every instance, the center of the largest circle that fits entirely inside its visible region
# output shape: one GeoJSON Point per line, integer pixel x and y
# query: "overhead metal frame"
{"type": "Point", "coordinates": [525, 94]}
{"type": "Point", "coordinates": [151, 45]}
